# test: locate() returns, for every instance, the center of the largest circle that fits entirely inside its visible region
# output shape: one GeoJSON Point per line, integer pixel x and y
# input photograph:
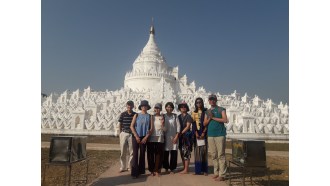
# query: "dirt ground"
{"type": "Point", "coordinates": [101, 160]}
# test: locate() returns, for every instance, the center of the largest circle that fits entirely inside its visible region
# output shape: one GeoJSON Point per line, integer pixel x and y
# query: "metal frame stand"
{"type": "Point", "coordinates": [245, 170]}
{"type": "Point", "coordinates": [67, 165]}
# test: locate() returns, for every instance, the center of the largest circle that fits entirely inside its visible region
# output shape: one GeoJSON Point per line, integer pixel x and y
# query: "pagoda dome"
{"type": "Point", "coordinates": [149, 67]}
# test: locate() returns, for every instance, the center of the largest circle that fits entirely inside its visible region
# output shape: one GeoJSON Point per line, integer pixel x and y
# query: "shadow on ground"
{"type": "Point", "coordinates": [120, 180]}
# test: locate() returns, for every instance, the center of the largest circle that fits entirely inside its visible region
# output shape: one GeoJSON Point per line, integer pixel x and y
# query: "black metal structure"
{"type": "Point", "coordinates": [65, 151]}
{"type": "Point", "coordinates": [249, 156]}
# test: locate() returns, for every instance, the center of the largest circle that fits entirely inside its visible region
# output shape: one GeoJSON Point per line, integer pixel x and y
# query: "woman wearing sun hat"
{"type": "Point", "coordinates": [186, 136]}
{"type": "Point", "coordinates": [141, 127]}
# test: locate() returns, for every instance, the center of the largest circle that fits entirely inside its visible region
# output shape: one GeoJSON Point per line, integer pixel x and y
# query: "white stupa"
{"type": "Point", "coordinates": [150, 68]}
{"type": "Point", "coordinates": [91, 112]}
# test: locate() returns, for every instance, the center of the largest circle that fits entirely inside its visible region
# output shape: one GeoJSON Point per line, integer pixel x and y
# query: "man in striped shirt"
{"type": "Point", "coordinates": [125, 137]}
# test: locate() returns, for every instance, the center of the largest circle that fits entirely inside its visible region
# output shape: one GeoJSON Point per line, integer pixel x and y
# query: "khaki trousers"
{"type": "Point", "coordinates": [217, 146]}
{"type": "Point", "coordinates": [126, 150]}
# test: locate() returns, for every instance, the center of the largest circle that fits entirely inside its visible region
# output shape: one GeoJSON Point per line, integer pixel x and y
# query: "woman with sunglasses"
{"type": "Point", "coordinates": [198, 115]}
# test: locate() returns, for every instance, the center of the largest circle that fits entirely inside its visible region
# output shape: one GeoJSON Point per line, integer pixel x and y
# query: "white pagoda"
{"type": "Point", "coordinates": [96, 113]}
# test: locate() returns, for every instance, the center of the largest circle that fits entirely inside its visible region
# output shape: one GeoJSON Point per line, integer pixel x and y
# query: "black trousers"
{"type": "Point", "coordinates": [173, 161]}
{"type": "Point", "coordinates": [155, 153]}
{"type": "Point", "coordinates": [138, 161]}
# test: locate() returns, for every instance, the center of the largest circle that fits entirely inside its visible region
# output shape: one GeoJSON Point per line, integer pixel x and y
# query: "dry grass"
{"type": "Point", "coordinates": [99, 162]}
{"type": "Point", "coordinates": [278, 171]}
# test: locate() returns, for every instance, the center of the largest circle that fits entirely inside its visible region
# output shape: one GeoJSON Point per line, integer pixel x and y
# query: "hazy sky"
{"type": "Point", "coordinates": [224, 45]}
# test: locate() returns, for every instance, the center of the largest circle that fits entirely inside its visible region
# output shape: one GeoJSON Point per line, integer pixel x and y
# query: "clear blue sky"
{"type": "Point", "coordinates": [222, 45]}
{"type": "Point", "coordinates": [97, 43]}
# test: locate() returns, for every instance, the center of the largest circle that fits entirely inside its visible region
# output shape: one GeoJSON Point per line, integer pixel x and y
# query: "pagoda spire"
{"type": "Point", "coordinates": [152, 29]}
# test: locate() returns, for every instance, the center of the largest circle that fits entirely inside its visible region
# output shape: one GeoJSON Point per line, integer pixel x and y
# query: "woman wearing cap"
{"type": "Point", "coordinates": [141, 127]}
{"type": "Point", "coordinates": [186, 136]}
{"type": "Point", "coordinates": [155, 145]}
{"type": "Point", "coordinates": [200, 130]}
{"type": "Point", "coordinates": [172, 129]}
{"type": "Point", "coordinates": [216, 132]}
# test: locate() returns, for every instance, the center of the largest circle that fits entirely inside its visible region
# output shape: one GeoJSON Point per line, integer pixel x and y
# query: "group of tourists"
{"type": "Point", "coordinates": [163, 135]}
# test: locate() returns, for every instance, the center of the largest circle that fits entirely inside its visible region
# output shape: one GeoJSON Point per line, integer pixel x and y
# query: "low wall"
{"type": "Point", "coordinates": [249, 136]}
{"type": "Point", "coordinates": [78, 132]}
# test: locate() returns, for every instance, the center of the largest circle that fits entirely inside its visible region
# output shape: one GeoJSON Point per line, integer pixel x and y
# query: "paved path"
{"type": "Point", "coordinates": [112, 177]}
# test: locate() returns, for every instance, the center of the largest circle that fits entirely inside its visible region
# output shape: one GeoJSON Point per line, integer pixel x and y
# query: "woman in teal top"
{"type": "Point", "coordinates": [216, 128]}
{"type": "Point", "coordinates": [216, 132]}
{"type": "Point", "coordinates": [141, 127]}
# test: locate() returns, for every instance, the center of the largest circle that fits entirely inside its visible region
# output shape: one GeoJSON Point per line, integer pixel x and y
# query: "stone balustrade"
{"type": "Point", "coordinates": [96, 113]}
{"type": "Point", "coordinates": [130, 75]}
